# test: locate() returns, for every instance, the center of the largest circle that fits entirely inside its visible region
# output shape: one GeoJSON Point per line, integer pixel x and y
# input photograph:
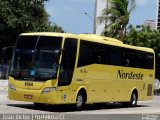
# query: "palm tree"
{"type": "Point", "coordinates": [116, 17]}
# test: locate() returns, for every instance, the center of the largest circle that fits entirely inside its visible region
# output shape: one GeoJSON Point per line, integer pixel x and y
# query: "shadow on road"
{"type": "Point", "coordinates": [70, 108]}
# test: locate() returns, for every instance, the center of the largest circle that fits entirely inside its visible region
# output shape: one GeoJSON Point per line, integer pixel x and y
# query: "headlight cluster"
{"type": "Point", "coordinates": [49, 89]}
{"type": "Point", "coordinates": [12, 87]}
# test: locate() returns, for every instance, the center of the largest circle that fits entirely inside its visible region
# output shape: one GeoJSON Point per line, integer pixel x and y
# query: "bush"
{"type": "Point", "coordinates": [157, 91]}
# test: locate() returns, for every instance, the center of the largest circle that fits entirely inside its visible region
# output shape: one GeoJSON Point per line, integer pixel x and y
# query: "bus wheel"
{"type": "Point", "coordinates": [132, 102]}
{"type": "Point", "coordinates": [134, 98]}
{"type": "Point", "coordinates": [80, 101]}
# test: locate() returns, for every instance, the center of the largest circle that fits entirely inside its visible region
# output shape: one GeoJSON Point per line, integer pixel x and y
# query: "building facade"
{"type": "Point", "coordinates": [158, 15]}
{"type": "Point", "coordinates": [150, 23]}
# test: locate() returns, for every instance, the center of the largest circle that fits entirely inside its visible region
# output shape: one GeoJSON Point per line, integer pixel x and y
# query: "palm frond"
{"type": "Point", "coordinates": [116, 16]}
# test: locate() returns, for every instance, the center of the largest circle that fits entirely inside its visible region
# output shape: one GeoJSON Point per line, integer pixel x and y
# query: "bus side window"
{"type": "Point", "coordinates": [149, 60]}
{"type": "Point", "coordinates": [68, 62]}
{"type": "Point", "coordinates": [93, 53]}
{"type": "Point", "coordinates": [83, 59]}
{"type": "Point", "coordinates": [101, 54]}
{"type": "Point", "coordinates": [140, 59]}
{"type": "Point", "coordinates": [126, 62]}
{"type": "Point", "coordinates": [86, 53]}
{"type": "Point", "coordinates": [116, 54]}
{"type": "Point", "coordinates": [126, 58]}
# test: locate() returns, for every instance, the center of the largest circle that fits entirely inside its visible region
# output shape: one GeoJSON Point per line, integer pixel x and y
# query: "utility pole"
{"type": "Point", "coordinates": [95, 18]}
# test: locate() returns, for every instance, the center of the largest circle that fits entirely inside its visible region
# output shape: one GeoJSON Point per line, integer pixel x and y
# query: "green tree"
{"type": "Point", "coordinates": [116, 17]}
{"type": "Point", "coordinates": [144, 37]}
{"type": "Point", "coordinates": [17, 16]}
{"type": "Point", "coordinates": [54, 28]}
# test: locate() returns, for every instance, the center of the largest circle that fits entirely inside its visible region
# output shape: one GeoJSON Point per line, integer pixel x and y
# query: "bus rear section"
{"type": "Point", "coordinates": [115, 72]}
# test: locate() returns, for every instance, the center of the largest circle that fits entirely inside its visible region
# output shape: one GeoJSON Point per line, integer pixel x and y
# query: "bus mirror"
{"type": "Point", "coordinates": [6, 54]}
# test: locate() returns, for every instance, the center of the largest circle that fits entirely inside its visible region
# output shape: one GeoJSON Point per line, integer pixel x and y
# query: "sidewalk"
{"type": "Point", "coordinates": [3, 90]}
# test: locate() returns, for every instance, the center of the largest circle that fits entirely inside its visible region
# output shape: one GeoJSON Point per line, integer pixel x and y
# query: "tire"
{"type": "Point", "coordinates": [134, 98]}
{"type": "Point", "coordinates": [133, 101]}
{"type": "Point", "coordinates": [80, 101]}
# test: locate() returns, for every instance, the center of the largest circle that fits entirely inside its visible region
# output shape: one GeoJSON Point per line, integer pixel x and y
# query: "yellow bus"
{"type": "Point", "coordinates": [62, 68]}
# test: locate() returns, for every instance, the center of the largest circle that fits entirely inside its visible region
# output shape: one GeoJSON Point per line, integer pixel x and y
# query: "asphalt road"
{"type": "Point", "coordinates": [149, 110]}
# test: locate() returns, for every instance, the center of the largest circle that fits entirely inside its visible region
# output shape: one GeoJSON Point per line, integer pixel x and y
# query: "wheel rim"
{"type": "Point", "coordinates": [134, 99]}
{"type": "Point", "coordinates": [79, 101]}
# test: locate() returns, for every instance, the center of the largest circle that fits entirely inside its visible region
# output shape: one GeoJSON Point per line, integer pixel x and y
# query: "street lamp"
{"type": "Point", "coordinates": [93, 21]}
{"type": "Point", "coordinates": [95, 17]}
{"type": "Point", "coordinates": [89, 16]}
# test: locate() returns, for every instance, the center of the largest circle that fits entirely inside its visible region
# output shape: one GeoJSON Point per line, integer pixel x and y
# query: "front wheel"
{"type": "Point", "coordinates": [80, 101]}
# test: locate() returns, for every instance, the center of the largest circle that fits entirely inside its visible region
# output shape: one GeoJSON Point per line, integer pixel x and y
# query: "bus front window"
{"type": "Point", "coordinates": [46, 63]}
{"type": "Point", "coordinates": [22, 60]}
{"type": "Point", "coordinates": [38, 61]}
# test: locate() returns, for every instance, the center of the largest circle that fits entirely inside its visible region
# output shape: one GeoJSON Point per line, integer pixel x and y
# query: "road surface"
{"type": "Point", "coordinates": [149, 110]}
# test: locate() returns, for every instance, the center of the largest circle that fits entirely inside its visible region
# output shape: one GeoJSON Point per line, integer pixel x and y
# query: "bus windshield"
{"type": "Point", "coordinates": [36, 58]}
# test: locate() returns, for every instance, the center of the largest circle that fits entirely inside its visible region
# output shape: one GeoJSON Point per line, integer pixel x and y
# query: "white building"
{"type": "Point", "coordinates": [150, 23]}
{"type": "Point", "coordinates": [158, 15]}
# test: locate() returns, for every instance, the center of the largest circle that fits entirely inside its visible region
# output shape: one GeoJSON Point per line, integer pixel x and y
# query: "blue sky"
{"type": "Point", "coordinates": [145, 10]}
{"type": "Point", "coordinates": [69, 14]}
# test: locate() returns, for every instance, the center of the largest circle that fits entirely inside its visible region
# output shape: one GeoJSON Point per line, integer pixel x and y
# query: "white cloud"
{"type": "Point", "coordinates": [144, 2]}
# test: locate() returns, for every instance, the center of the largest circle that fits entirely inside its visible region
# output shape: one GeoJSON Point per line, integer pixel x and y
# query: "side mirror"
{"type": "Point", "coordinates": [6, 54]}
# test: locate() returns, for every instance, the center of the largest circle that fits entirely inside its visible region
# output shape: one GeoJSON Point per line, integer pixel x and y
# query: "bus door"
{"type": "Point", "coordinates": [67, 67]}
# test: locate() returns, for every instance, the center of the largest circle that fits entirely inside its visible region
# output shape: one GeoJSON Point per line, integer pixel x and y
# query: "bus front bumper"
{"type": "Point", "coordinates": [32, 96]}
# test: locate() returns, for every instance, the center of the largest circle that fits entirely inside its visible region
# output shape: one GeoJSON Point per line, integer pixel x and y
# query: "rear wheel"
{"type": "Point", "coordinates": [133, 100]}
{"type": "Point", "coordinates": [80, 101]}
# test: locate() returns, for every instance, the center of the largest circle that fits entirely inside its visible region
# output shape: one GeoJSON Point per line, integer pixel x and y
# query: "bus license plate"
{"type": "Point", "coordinates": [28, 96]}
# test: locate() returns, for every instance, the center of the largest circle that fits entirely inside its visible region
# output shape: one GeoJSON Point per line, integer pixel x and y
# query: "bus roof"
{"type": "Point", "coordinates": [96, 38]}
{"type": "Point", "coordinates": [49, 34]}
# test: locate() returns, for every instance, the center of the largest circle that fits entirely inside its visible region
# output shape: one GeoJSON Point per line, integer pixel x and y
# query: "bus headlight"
{"type": "Point", "coordinates": [12, 87]}
{"type": "Point", "coordinates": [49, 89]}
